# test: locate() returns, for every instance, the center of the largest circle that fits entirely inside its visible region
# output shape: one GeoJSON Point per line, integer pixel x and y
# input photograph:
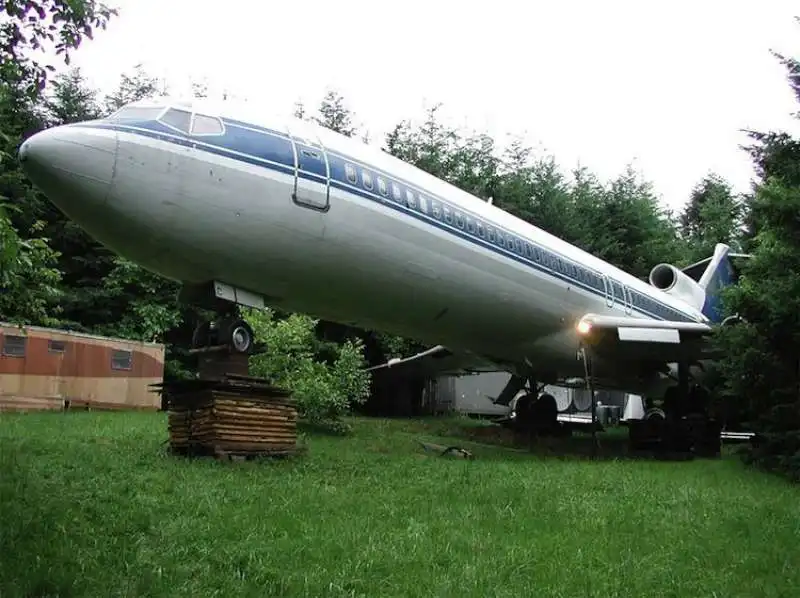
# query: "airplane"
{"type": "Point", "coordinates": [245, 208]}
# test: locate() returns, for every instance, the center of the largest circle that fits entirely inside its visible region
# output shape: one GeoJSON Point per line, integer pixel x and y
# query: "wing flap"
{"type": "Point", "coordinates": [638, 339]}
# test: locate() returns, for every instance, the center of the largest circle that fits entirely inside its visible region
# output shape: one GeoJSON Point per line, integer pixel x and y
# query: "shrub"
{"type": "Point", "coordinates": [324, 390]}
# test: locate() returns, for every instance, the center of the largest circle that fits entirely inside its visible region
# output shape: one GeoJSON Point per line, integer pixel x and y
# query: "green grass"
{"type": "Point", "coordinates": [91, 505]}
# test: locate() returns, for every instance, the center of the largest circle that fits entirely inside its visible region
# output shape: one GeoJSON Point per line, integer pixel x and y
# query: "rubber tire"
{"type": "Point", "coordinates": [238, 335]}
{"type": "Point", "coordinates": [547, 410]}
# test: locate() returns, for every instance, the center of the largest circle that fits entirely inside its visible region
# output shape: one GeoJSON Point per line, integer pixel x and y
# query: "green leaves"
{"type": "Point", "coordinates": [41, 25]}
{"type": "Point", "coordinates": [325, 391]}
{"type": "Point", "coordinates": [29, 278]}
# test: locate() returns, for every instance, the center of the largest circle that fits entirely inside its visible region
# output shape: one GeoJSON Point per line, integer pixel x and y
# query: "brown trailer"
{"type": "Point", "coordinates": [45, 368]}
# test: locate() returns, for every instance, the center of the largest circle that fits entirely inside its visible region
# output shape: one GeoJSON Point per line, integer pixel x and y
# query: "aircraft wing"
{"type": "Point", "coordinates": [435, 361]}
{"type": "Point", "coordinates": [639, 339]}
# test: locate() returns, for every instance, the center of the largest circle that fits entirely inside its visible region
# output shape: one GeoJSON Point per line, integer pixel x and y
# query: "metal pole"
{"type": "Point", "coordinates": [587, 367]}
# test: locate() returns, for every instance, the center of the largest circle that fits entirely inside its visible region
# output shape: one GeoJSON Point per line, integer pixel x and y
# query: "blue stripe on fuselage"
{"type": "Point", "coordinates": [267, 148]}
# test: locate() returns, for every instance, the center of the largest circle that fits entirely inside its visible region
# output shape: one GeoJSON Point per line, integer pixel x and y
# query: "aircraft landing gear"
{"type": "Point", "coordinates": [536, 415]}
{"type": "Point", "coordinates": [230, 331]}
{"type": "Point", "coordinates": [683, 426]}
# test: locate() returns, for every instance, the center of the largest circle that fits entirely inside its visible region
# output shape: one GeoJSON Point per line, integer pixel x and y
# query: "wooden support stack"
{"type": "Point", "coordinates": [230, 416]}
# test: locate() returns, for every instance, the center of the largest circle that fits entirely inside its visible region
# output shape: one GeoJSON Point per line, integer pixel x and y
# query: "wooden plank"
{"type": "Point", "coordinates": [210, 420]}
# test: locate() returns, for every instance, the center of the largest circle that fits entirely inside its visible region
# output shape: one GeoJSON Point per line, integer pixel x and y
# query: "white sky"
{"type": "Point", "coordinates": [602, 84]}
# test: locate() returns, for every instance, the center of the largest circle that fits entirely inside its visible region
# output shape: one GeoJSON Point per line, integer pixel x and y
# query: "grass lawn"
{"type": "Point", "coordinates": [91, 505]}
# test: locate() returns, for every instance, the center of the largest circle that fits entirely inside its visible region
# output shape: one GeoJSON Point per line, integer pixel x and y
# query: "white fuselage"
{"type": "Point", "coordinates": [243, 205]}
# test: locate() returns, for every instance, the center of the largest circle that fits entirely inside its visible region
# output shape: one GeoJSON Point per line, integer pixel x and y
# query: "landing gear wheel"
{"type": "Point", "coordinates": [238, 335]}
{"type": "Point", "coordinates": [547, 410]}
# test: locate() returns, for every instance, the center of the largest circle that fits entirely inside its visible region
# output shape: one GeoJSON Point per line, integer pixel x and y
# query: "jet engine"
{"type": "Point", "coordinates": [672, 281]}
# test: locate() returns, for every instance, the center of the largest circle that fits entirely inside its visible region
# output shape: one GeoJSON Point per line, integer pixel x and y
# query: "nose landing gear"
{"type": "Point", "coordinates": [229, 331]}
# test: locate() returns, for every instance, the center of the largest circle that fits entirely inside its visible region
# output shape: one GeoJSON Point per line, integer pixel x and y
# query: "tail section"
{"type": "Point", "coordinates": [719, 274]}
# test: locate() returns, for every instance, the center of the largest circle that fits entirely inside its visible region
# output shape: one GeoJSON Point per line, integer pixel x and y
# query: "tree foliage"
{"type": "Point", "coordinates": [325, 390]}
{"type": "Point", "coordinates": [759, 378]}
{"type": "Point", "coordinates": [30, 26]}
{"type": "Point", "coordinates": [713, 215]}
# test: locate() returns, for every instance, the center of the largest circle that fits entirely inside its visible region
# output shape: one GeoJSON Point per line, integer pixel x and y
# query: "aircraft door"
{"type": "Point", "coordinates": [609, 292]}
{"type": "Point", "coordinates": [617, 293]}
{"type": "Point", "coordinates": [312, 179]}
{"type": "Point", "coordinates": [626, 292]}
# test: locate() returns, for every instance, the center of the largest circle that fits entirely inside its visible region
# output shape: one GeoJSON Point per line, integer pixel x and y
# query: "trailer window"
{"type": "Point", "coordinates": [121, 360]}
{"type": "Point", "coordinates": [56, 346]}
{"type": "Point", "coordinates": [14, 346]}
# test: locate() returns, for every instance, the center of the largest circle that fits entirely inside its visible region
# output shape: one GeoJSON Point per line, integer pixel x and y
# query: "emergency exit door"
{"type": "Point", "coordinates": [311, 174]}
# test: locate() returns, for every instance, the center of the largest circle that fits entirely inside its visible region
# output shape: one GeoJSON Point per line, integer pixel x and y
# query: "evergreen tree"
{"type": "Point", "coordinates": [759, 378]}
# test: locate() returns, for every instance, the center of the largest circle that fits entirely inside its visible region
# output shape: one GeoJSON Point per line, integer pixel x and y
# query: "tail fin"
{"type": "Point", "coordinates": [719, 274]}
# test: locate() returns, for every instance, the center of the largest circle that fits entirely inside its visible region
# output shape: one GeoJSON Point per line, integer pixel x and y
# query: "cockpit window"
{"type": "Point", "coordinates": [136, 113]}
{"type": "Point", "coordinates": [206, 125]}
{"type": "Point", "coordinates": [177, 119]}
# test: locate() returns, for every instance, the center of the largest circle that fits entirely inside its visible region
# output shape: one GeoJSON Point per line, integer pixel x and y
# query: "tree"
{"type": "Point", "coordinates": [71, 99]}
{"type": "Point", "coordinates": [27, 263]}
{"type": "Point", "coordinates": [325, 390]}
{"type": "Point", "coordinates": [629, 216]}
{"type": "Point", "coordinates": [712, 215]}
{"type": "Point", "coordinates": [759, 377]}
{"type": "Point", "coordinates": [135, 86]}
{"type": "Point", "coordinates": [32, 25]}
{"type": "Point", "coordinates": [333, 114]}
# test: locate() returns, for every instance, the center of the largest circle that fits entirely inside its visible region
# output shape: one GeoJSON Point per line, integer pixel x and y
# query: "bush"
{"type": "Point", "coordinates": [324, 390]}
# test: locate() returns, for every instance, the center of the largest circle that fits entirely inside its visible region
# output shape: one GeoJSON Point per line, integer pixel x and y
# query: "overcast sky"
{"type": "Point", "coordinates": [602, 84]}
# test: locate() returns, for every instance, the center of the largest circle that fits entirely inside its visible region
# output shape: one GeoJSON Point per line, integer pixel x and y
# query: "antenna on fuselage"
{"type": "Point", "coordinates": [490, 201]}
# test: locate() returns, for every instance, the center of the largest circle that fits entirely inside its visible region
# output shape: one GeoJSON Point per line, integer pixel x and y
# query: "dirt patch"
{"type": "Point", "coordinates": [490, 435]}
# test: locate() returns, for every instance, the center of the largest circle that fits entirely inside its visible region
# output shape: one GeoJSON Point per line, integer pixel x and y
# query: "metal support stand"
{"type": "Point", "coordinates": [587, 368]}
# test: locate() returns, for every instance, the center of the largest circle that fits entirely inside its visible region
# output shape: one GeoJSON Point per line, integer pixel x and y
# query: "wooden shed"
{"type": "Point", "coordinates": [45, 368]}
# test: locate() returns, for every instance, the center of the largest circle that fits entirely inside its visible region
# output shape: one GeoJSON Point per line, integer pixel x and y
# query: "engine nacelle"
{"type": "Point", "coordinates": [672, 281]}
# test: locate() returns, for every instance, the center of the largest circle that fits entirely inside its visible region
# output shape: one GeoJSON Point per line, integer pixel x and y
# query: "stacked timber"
{"type": "Point", "coordinates": [232, 415]}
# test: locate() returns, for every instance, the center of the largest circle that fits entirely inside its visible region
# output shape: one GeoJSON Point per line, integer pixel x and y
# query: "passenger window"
{"type": "Point", "coordinates": [518, 246]}
{"type": "Point", "coordinates": [350, 173]}
{"type": "Point", "coordinates": [367, 178]}
{"type": "Point", "coordinates": [490, 231]}
{"type": "Point", "coordinates": [436, 209]}
{"type": "Point", "coordinates": [397, 194]}
{"type": "Point", "coordinates": [459, 220]}
{"type": "Point", "coordinates": [448, 215]}
{"type": "Point", "coordinates": [410, 199]}
{"type": "Point", "coordinates": [481, 230]}
{"type": "Point", "coordinates": [470, 226]}
{"type": "Point", "coordinates": [206, 125]}
{"type": "Point", "coordinates": [382, 187]}
{"type": "Point", "coordinates": [177, 119]}
{"type": "Point", "coordinates": [423, 204]}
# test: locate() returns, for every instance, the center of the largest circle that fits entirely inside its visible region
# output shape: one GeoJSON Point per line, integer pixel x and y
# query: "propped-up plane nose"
{"type": "Point", "coordinates": [73, 166]}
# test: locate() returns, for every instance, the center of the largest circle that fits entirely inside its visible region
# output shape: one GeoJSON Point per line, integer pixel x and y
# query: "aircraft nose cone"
{"type": "Point", "coordinates": [73, 166]}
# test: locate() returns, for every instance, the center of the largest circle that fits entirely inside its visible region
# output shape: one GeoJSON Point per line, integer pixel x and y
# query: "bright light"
{"type": "Point", "coordinates": [584, 327]}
